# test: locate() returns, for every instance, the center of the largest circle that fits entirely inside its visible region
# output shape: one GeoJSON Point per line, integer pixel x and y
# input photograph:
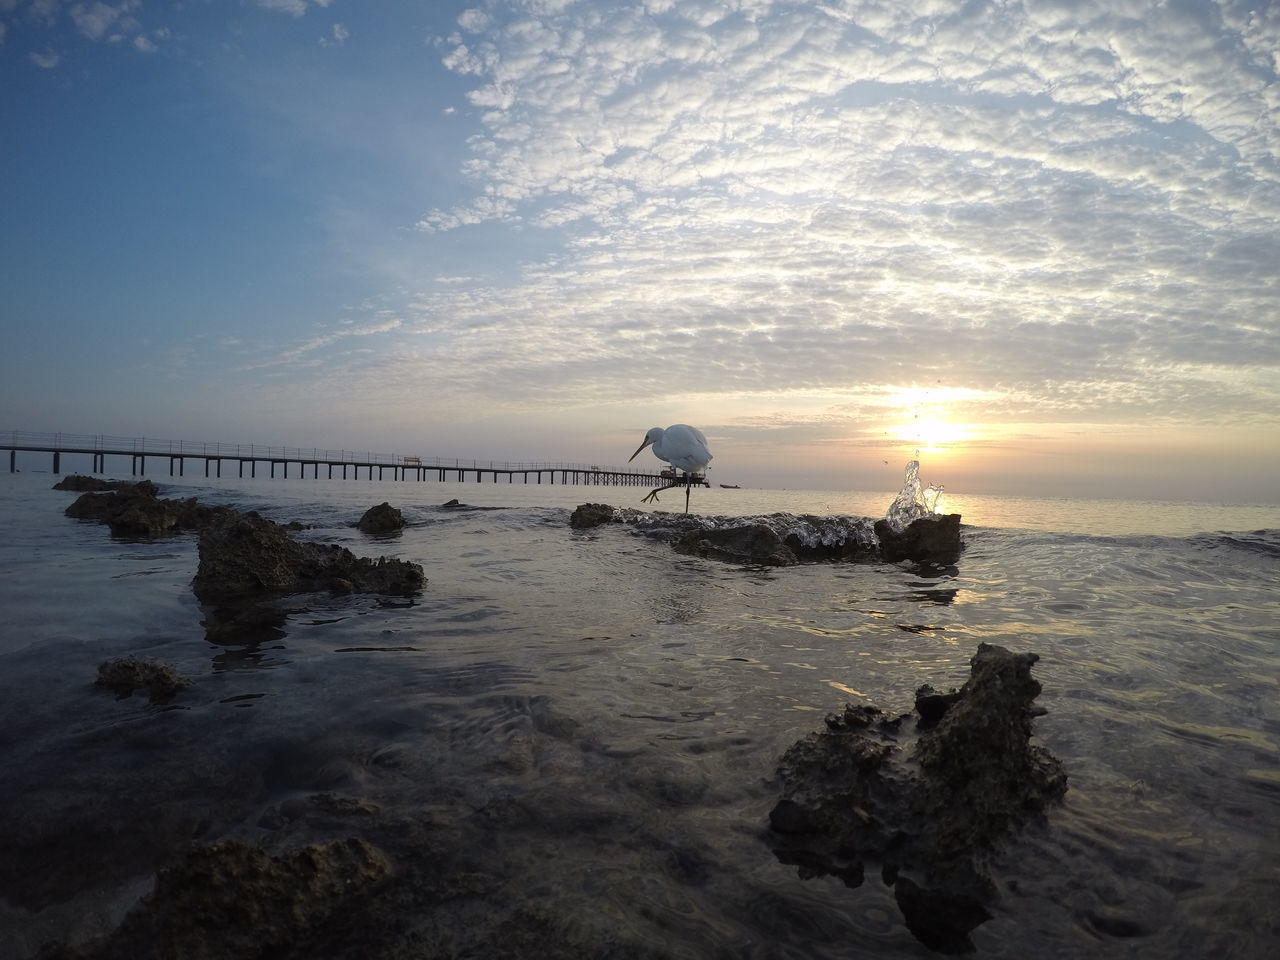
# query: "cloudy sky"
{"type": "Point", "coordinates": [1038, 240]}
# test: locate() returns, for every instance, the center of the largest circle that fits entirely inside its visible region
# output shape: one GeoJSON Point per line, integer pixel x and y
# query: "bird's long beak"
{"type": "Point", "coordinates": [647, 441]}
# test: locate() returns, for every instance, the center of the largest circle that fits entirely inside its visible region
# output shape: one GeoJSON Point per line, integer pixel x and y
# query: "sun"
{"type": "Point", "coordinates": [931, 434]}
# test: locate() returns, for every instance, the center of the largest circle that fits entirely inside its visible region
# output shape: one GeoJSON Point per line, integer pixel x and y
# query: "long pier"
{"type": "Point", "coordinates": [239, 456]}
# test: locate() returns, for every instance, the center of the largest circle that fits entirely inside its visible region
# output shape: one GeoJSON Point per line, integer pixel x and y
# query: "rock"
{"type": "Point", "coordinates": [750, 543]}
{"type": "Point", "coordinates": [81, 484]}
{"type": "Point", "coordinates": [136, 511]}
{"type": "Point", "coordinates": [248, 558]}
{"type": "Point", "coordinates": [382, 520]}
{"type": "Point", "coordinates": [934, 539]}
{"type": "Point", "coordinates": [127, 674]}
{"type": "Point", "coordinates": [930, 805]}
{"type": "Point", "coordinates": [589, 515]}
{"type": "Point", "coordinates": [232, 901]}
{"type": "Point", "coordinates": [453, 503]}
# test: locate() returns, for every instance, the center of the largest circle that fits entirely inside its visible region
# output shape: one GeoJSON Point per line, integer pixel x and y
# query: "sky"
{"type": "Point", "coordinates": [1035, 243]}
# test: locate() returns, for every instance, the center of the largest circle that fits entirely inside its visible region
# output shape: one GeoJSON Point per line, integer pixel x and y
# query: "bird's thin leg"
{"type": "Point", "coordinates": [687, 487]}
{"type": "Point", "coordinates": [653, 494]}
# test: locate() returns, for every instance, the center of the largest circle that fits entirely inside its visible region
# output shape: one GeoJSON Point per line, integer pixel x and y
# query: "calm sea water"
{"type": "Point", "coordinates": [591, 722]}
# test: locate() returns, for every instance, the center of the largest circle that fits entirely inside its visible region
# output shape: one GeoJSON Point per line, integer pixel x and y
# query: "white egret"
{"type": "Point", "coordinates": [681, 446]}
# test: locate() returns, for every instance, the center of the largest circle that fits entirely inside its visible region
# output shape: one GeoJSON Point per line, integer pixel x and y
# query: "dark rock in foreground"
{"type": "Point", "coordinates": [381, 520]}
{"type": "Point", "coordinates": [127, 674]}
{"type": "Point", "coordinates": [934, 540]}
{"type": "Point", "coordinates": [928, 806]}
{"type": "Point", "coordinates": [231, 901]}
{"type": "Point", "coordinates": [249, 558]}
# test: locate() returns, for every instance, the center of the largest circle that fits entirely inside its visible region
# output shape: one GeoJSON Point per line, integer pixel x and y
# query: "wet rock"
{"type": "Point", "coordinates": [136, 511]}
{"type": "Point", "coordinates": [928, 804]}
{"type": "Point", "coordinates": [248, 557]}
{"type": "Point", "coordinates": [382, 520]}
{"type": "Point", "coordinates": [232, 901]}
{"type": "Point", "coordinates": [589, 515]}
{"type": "Point", "coordinates": [750, 543]}
{"type": "Point", "coordinates": [79, 483]}
{"type": "Point", "coordinates": [127, 674]}
{"type": "Point", "coordinates": [933, 539]}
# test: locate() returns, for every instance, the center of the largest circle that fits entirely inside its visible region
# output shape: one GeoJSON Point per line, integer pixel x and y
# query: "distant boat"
{"type": "Point", "coordinates": [731, 486]}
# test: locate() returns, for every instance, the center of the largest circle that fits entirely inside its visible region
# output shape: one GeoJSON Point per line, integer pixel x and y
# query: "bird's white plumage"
{"type": "Point", "coordinates": [680, 445]}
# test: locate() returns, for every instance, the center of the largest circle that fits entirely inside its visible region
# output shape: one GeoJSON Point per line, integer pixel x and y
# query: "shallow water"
{"type": "Point", "coordinates": [592, 721]}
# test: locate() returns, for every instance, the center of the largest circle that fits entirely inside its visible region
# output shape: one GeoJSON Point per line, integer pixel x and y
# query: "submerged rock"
{"type": "Point", "coordinates": [127, 674]}
{"type": "Point", "coordinates": [928, 806]}
{"type": "Point", "coordinates": [232, 901]}
{"type": "Point", "coordinates": [248, 557]}
{"type": "Point", "coordinates": [382, 520]}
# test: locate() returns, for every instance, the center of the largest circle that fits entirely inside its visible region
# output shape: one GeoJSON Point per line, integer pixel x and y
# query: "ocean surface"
{"type": "Point", "coordinates": [589, 723]}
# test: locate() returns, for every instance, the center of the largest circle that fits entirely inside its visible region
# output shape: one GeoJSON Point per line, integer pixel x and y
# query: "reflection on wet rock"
{"type": "Point", "coordinates": [928, 804]}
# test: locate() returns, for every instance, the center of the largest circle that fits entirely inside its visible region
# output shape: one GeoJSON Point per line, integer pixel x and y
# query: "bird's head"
{"type": "Point", "coordinates": [653, 436]}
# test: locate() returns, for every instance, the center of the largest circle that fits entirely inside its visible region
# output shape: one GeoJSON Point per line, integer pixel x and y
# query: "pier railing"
{"type": "Point", "coordinates": [401, 466]}
{"type": "Point", "coordinates": [101, 443]}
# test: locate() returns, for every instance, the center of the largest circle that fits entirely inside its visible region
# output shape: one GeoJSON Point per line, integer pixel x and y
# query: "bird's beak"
{"type": "Point", "coordinates": [647, 441]}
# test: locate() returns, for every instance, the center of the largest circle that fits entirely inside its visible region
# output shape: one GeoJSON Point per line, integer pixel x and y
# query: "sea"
{"type": "Point", "coordinates": [580, 730]}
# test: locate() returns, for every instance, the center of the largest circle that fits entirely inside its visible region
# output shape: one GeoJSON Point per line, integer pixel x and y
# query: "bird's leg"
{"type": "Point", "coordinates": [653, 494]}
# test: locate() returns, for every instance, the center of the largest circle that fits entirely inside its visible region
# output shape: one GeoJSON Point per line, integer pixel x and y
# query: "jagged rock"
{"type": "Point", "coordinates": [933, 539]}
{"type": "Point", "coordinates": [127, 674]}
{"type": "Point", "coordinates": [136, 510]}
{"type": "Point", "coordinates": [928, 805]}
{"type": "Point", "coordinates": [589, 515]}
{"type": "Point", "coordinates": [382, 520]}
{"type": "Point", "coordinates": [232, 901]}
{"type": "Point", "coordinates": [79, 483]}
{"type": "Point", "coordinates": [249, 557]}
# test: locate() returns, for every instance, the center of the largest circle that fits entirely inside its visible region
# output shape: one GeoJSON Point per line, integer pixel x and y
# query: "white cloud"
{"type": "Point", "coordinates": [759, 195]}
{"type": "Point", "coordinates": [48, 59]}
{"type": "Point", "coordinates": [337, 37]}
{"type": "Point", "coordinates": [294, 8]}
{"type": "Point", "coordinates": [95, 19]}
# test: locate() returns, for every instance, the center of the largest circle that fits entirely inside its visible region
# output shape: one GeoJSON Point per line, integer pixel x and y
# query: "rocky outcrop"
{"type": "Point", "coordinates": [127, 674]}
{"type": "Point", "coordinates": [232, 901]}
{"type": "Point", "coordinates": [79, 483]}
{"type": "Point", "coordinates": [250, 558]}
{"type": "Point", "coordinates": [932, 540]}
{"type": "Point", "coordinates": [782, 539]}
{"type": "Point", "coordinates": [927, 805]}
{"type": "Point", "coordinates": [590, 515]}
{"type": "Point", "coordinates": [749, 543]}
{"type": "Point", "coordinates": [382, 520]}
{"type": "Point", "coordinates": [136, 511]}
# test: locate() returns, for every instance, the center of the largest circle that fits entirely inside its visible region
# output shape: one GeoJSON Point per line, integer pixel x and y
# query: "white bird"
{"type": "Point", "coordinates": [681, 446]}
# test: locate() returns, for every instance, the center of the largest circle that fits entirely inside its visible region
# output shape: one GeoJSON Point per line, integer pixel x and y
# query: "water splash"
{"type": "Point", "coordinates": [912, 502]}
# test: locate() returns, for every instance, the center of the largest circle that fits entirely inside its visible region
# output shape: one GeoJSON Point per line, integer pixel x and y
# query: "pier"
{"type": "Point", "coordinates": [301, 463]}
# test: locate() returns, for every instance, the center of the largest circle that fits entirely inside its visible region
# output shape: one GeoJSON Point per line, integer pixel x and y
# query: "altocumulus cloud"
{"type": "Point", "coordinates": [1062, 207]}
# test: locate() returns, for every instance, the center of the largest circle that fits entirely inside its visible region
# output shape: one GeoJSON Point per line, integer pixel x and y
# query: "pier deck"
{"type": "Point", "coordinates": [302, 462]}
